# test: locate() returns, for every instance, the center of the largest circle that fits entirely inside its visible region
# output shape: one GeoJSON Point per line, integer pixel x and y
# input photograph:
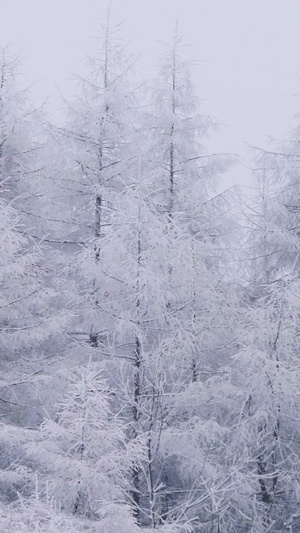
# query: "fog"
{"type": "Point", "coordinates": [247, 54]}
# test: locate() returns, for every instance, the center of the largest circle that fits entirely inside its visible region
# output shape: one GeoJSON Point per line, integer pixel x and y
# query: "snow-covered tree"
{"type": "Point", "coordinates": [84, 457]}
{"type": "Point", "coordinates": [29, 316]}
{"type": "Point", "coordinates": [142, 244]}
{"type": "Point", "coordinates": [154, 287]}
{"type": "Point", "coordinates": [36, 516]}
{"type": "Point", "coordinates": [254, 400]}
{"type": "Point", "coordinates": [27, 320]}
{"type": "Point", "coordinates": [181, 330]}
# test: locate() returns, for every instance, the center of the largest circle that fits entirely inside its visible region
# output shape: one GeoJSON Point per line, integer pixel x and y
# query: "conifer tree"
{"type": "Point", "coordinates": [84, 458]}
{"type": "Point", "coordinates": [29, 317]}
{"type": "Point", "coordinates": [255, 403]}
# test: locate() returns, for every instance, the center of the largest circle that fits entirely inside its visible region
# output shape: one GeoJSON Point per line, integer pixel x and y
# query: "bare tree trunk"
{"type": "Point", "coordinates": [2, 138]}
{"type": "Point", "coordinates": [135, 410]}
{"type": "Point", "coordinates": [137, 386]}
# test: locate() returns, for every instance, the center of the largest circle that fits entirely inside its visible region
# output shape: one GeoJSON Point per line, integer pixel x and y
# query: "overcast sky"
{"type": "Point", "coordinates": [249, 52]}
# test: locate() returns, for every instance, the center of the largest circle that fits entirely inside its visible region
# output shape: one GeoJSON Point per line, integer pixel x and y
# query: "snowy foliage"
{"type": "Point", "coordinates": [147, 382]}
{"type": "Point", "coordinates": [83, 454]}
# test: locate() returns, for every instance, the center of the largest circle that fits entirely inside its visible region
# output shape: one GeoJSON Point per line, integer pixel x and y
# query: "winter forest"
{"type": "Point", "coordinates": [149, 323]}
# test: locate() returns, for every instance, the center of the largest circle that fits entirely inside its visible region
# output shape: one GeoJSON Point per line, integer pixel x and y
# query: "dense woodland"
{"type": "Point", "coordinates": [149, 324]}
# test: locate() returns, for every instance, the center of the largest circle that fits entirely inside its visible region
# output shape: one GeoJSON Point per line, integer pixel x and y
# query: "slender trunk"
{"type": "Point", "coordinates": [2, 138]}
{"type": "Point", "coordinates": [98, 227]}
{"type": "Point", "coordinates": [172, 164]}
{"type": "Point", "coordinates": [97, 249]}
{"type": "Point", "coordinates": [151, 484]}
{"type": "Point", "coordinates": [194, 363]}
{"type": "Point", "coordinates": [99, 199]}
{"type": "Point", "coordinates": [172, 146]}
{"type": "Point", "coordinates": [80, 496]}
{"type": "Point", "coordinates": [166, 505]}
{"type": "Point", "coordinates": [171, 177]}
{"type": "Point", "coordinates": [137, 385]}
{"type": "Point", "coordinates": [136, 412]}
{"type": "Point", "coordinates": [194, 371]}
{"type": "Point", "coordinates": [266, 497]}
{"type": "Point", "coordinates": [152, 495]}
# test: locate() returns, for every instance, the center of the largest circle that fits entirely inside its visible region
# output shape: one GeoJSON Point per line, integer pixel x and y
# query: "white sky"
{"type": "Point", "coordinates": [250, 53]}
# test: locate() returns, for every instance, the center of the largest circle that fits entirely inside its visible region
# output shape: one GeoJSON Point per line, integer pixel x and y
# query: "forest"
{"type": "Point", "coordinates": [149, 323]}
